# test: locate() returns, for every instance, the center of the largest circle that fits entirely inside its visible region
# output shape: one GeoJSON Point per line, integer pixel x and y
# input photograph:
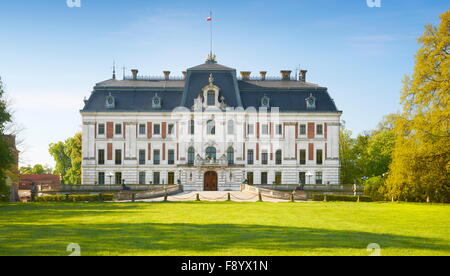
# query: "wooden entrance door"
{"type": "Point", "coordinates": [211, 181]}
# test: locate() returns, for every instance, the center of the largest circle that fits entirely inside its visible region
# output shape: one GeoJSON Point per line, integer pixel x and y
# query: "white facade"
{"type": "Point", "coordinates": [130, 143]}
{"type": "Point", "coordinates": [225, 148]}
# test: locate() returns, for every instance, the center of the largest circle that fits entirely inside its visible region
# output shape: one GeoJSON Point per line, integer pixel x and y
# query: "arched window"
{"type": "Point", "coordinates": [230, 127]}
{"type": "Point", "coordinates": [211, 153]}
{"type": "Point", "coordinates": [191, 156]}
{"type": "Point", "coordinates": [211, 127]}
{"type": "Point", "coordinates": [279, 156]}
{"type": "Point", "coordinates": [211, 97]}
{"type": "Point", "coordinates": [230, 156]}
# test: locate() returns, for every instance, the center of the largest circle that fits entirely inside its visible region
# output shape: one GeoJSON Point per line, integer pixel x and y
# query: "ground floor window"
{"type": "Point", "coordinates": [171, 178]}
{"type": "Point", "coordinates": [118, 178]}
{"type": "Point", "coordinates": [264, 178]}
{"type": "Point", "coordinates": [141, 178]}
{"type": "Point", "coordinates": [278, 177]}
{"type": "Point", "coordinates": [156, 178]}
{"type": "Point", "coordinates": [101, 178]}
{"type": "Point", "coordinates": [302, 178]}
{"type": "Point", "coordinates": [250, 178]}
{"type": "Point", "coordinates": [319, 176]}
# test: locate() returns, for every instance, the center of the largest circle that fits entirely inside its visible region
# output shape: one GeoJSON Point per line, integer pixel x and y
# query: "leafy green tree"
{"type": "Point", "coordinates": [67, 156]}
{"type": "Point", "coordinates": [73, 150]}
{"type": "Point", "coordinates": [367, 155]}
{"type": "Point", "coordinates": [36, 169]}
{"type": "Point", "coordinates": [6, 157]}
{"type": "Point", "coordinates": [380, 147]}
{"type": "Point", "coordinates": [349, 170]}
{"type": "Point", "coordinates": [421, 158]}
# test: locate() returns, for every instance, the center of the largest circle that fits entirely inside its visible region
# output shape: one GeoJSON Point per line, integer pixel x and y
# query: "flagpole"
{"type": "Point", "coordinates": [211, 27]}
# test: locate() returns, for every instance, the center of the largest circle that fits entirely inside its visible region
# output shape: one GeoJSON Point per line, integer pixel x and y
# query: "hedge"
{"type": "Point", "coordinates": [342, 198]}
{"type": "Point", "coordinates": [76, 198]}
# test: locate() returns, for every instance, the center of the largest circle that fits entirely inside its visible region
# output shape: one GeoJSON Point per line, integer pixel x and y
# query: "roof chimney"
{"type": "Point", "coordinates": [135, 73]}
{"type": "Point", "coordinates": [245, 75]}
{"type": "Point", "coordinates": [166, 75]}
{"type": "Point", "coordinates": [263, 75]}
{"type": "Point", "coordinates": [286, 75]}
{"type": "Point", "coordinates": [303, 75]}
{"type": "Point", "coordinates": [184, 75]}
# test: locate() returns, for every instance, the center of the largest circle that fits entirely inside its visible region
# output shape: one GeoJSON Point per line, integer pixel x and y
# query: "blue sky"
{"type": "Point", "coordinates": [52, 55]}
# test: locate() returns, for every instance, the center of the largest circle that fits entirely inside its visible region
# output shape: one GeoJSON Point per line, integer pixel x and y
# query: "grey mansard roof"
{"type": "Point", "coordinates": [137, 95]}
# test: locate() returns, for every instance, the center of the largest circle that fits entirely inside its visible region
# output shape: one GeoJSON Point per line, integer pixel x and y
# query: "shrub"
{"type": "Point", "coordinates": [342, 198]}
{"type": "Point", "coordinates": [76, 198]}
{"type": "Point", "coordinates": [374, 187]}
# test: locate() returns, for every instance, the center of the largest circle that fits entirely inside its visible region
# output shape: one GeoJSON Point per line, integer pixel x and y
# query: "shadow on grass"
{"type": "Point", "coordinates": [197, 239]}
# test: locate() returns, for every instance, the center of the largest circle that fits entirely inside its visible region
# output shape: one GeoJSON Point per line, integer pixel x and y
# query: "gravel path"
{"type": "Point", "coordinates": [213, 196]}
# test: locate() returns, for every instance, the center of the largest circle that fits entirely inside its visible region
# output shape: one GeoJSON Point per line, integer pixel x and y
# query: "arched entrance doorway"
{"type": "Point", "coordinates": [211, 180]}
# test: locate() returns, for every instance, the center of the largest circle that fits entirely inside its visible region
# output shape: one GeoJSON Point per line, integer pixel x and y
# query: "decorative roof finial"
{"type": "Point", "coordinates": [114, 70]}
{"type": "Point", "coordinates": [211, 79]}
{"type": "Point", "coordinates": [211, 58]}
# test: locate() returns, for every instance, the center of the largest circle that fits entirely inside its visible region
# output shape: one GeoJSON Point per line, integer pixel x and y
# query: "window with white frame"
{"type": "Point", "coordinates": [279, 129]}
{"type": "Point", "coordinates": [101, 129]}
{"type": "Point", "coordinates": [250, 129]}
{"type": "Point", "coordinates": [211, 127]}
{"type": "Point", "coordinates": [118, 129]}
{"type": "Point", "coordinates": [141, 178]}
{"type": "Point", "coordinates": [230, 127]}
{"type": "Point", "coordinates": [142, 129]}
{"type": "Point", "coordinates": [319, 130]}
{"type": "Point", "coordinates": [265, 129]}
{"type": "Point", "coordinates": [302, 130]}
{"type": "Point", "coordinates": [319, 176]}
{"type": "Point", "coordinates": [171, 129]}
{"type": "Point", "coordinates": [157, 129]}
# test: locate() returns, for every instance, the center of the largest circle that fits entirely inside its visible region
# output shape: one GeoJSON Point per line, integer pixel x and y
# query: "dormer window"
{"type": "Point", "coordinates": [211, 99]}
{"type": "Point", "coordinates": [311, 102]}
{"type": "Point", "coordinates": [210, 96]}
{"type": "Point", "coordinates": [265, 101]}
{"type": "Point", "coordinates": [156, 102]}
{"type": "Point", "coordinates": [110, 101]}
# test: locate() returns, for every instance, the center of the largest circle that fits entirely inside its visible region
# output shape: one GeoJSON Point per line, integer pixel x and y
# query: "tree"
{"type": "Point", "coordinates": [36, 169]}
{"type": "Point", "coordinates": [349, 170]}
{"type": "Point", "coordinates": [67, 156]}
{"type": "Point", "coordinates": [6, 157]}
{"type": "Point", "coordinates": [73, 150]}
{"type": "Point", "coordinates": [380, 147]}
{"type": "Point", "coordinates": [369, 154]}
{"type": "Point", "coordinates": [421, 158]}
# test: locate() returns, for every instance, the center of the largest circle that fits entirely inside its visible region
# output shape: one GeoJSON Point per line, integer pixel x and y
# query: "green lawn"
{"type": "Point", "coordinates": [222, 228]}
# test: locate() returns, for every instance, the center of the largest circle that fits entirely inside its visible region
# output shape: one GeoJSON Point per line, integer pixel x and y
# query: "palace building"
{"type": "Point", "coordinates": [211, 129]}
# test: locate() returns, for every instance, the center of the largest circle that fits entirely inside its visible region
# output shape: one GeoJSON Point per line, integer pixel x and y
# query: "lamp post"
{"type": "Point", "coordinates": [309, 175]}
{"type": "Point", "coordinates": [110, 175]}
